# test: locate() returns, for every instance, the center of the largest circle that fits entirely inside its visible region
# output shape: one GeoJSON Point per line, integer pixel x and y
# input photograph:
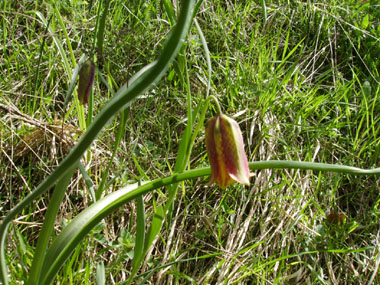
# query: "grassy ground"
{"type": "Point", "coordinates": [301, 79]}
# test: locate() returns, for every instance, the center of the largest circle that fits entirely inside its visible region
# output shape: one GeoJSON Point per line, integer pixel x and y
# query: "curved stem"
{"type": "Point", "coordinates": [218, 109]}
{"type": "Point", "coordinates": [324, 167]}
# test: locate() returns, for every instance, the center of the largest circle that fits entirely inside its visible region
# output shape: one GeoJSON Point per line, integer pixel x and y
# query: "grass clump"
{"type": "Point", "coordinates": [301, 79]}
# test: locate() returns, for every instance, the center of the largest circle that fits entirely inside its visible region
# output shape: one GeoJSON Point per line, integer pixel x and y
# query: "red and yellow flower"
{"type": "Point", "coordinates": [225, 148]}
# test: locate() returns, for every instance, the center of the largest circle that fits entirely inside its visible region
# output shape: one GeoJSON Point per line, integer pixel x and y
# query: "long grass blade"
{"type": "Point", "coordinates": [57, 42]}
{"type": "Point", "coordinates": [101, 28]}
{"type": "Point", "coordinates": [207, 55]}
{"type": "Point", "coordinates": [140, 237]}
{"type": "Point", "coordinates": [87, 180]}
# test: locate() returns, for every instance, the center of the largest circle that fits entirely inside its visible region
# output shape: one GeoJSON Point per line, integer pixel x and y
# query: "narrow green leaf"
{"type": "Point", "coordinates": [168, 7]}
{"type": "Point", "coordinates": [81, 225]}
{"type": "Point", "coordinates": [57, 42]}
{"type": "Point", "coordinates": [68, 40]}
{"type": "Point", "coordinates": [102, 25]}
{"type": "Point", "coordinates": [48, 226]}
{"type": "Point", "coordinates": [264, 9]}
{"type": "Point", "coordinates": [140, 237]}
{"type": "Point", "coordinates": [88, 181]}
{"type": "Point", "coordinates": [289, 54]}
{"type": "Point", "coordinates": [286, 44]}
{"type": "Point", "coordinates": [207, 54]}
{"type": "Point", "coordinates": [79, 108]}
{"type": "Point", "coordinates": [155, 227]}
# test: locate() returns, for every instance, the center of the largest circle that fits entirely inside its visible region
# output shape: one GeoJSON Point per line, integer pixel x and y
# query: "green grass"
{"type": "Point", "coordinates": [303, 83]}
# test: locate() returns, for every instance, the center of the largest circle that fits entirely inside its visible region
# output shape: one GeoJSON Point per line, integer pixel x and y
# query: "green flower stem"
{"type": "Point", "coordinates": [123, 99]}
{"type": "Point", "coordinates": [82, 224]}
{"type": "Point", "coordinates": [218, 109]}
{"type": "Point", "coordinates": [323, 167]}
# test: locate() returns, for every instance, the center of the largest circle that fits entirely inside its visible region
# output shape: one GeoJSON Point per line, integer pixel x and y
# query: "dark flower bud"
{"type": "Point", "coordinates": [86, 79]}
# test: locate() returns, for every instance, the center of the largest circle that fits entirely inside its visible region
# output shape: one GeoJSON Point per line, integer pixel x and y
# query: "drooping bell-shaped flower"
{"type": "Point", "coordinates": [225, 148]}
{"type": "Point", "coordinates": [86, 79]}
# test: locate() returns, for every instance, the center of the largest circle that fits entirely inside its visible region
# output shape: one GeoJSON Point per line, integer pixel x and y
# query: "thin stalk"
{"type": "Point", "coordinates": [199, 125]}
{"type": "Point", "coordinates": [218, 109]}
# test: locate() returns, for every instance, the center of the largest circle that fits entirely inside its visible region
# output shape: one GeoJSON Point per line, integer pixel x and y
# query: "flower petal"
{"type": "Point", "coordinates": [235, 157]}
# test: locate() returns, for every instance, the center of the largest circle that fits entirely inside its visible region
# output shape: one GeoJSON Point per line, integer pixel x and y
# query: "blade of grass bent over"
{"type": "Point", "coordinates": [123, 99]}
{"type": "Point", "coordinates": [81, 225]}
{"type": "Point", "coordinates": [183, 155]}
